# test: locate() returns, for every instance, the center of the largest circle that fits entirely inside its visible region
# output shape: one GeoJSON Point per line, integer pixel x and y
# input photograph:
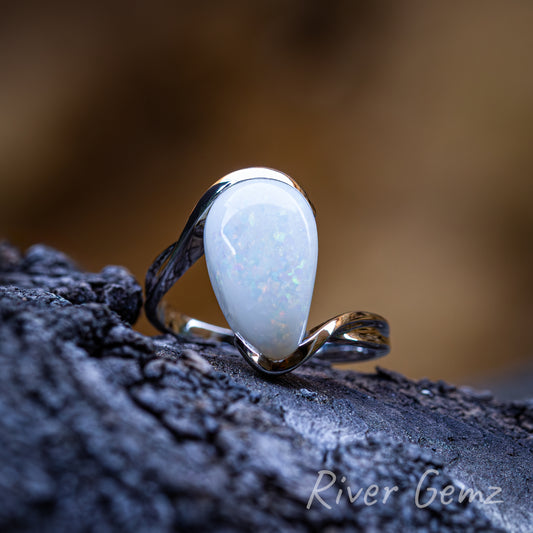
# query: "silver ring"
{"type": "Point", "coordinates": [261, 249]}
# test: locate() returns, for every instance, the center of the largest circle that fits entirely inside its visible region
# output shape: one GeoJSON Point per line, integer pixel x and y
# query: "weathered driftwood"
{"type": "Point", "coordinates": [104, 429]}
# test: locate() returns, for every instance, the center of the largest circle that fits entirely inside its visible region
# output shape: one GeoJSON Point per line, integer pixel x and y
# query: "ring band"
{"type": "Point", "coordinates": [270, 273]}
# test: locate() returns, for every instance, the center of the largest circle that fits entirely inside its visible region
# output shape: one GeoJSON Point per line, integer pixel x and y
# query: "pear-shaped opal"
{"type": "Point", "coordinates": [261, 249]}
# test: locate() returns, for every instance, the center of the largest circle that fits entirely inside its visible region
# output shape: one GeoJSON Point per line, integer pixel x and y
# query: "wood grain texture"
{"type": "Point", "coordinates": [105, 429]}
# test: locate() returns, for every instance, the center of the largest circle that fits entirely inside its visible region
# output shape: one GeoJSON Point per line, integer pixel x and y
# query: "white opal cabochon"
{"type": "Point", "coordinates": [261, 249]}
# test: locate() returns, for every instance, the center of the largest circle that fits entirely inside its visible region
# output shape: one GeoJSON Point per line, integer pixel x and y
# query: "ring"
{"type": "Point", "coordinates": [258, 230]}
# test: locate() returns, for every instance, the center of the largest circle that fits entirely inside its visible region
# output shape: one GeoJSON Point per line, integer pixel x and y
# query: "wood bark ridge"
{"type": "Point", "coordinates": [105, 429]}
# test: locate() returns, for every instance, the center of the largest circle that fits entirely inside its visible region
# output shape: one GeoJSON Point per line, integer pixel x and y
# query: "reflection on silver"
{"type": "Point", "coordinates": [350, 337]}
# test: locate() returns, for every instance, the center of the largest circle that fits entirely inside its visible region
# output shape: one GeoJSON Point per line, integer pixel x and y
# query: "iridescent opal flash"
{"type": "Point", "coordinates": [261, 248]}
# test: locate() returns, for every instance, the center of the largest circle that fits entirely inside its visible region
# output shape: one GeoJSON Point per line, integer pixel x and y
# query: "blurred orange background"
{"type": "Point", "coordinates": [409, 124]}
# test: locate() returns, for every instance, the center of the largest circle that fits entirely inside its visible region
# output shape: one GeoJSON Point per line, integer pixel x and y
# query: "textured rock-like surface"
{"type": "Point", "coordinates": [46, 268]}
{"type": "Point", "coordinates": [261, 248]}
{"type": "Point", "coordinates": [104, 429]}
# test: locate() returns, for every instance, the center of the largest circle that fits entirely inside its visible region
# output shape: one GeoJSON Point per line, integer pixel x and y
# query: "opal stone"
{"type": "Point", "coordinates": [261, 249]}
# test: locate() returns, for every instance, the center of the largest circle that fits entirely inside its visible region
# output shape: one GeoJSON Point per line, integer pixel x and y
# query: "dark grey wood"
{"type": "Point", "coordinates": [105, 429]}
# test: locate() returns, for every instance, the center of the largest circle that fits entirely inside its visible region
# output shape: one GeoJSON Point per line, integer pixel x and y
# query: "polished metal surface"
{"type": "Point", "coordinates": [349, 337]}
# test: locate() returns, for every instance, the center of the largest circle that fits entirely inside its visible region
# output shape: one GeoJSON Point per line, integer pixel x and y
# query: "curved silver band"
{"type": "Point", "coordinates": [349, 337]}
